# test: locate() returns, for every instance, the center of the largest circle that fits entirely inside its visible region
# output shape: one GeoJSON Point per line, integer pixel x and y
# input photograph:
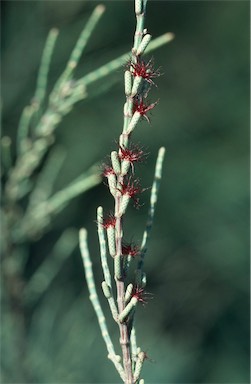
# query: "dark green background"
{"type": "Point", "coordinates": [196, 328]}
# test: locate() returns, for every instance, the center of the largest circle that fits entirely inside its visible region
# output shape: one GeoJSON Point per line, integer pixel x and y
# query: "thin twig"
{"type": "Point", "coordinates": [96, 304]}
{"type": "Point", "coordinates": [79, 48]}
{"type": "Point", "coordinates": [153, 201]}
{"type": "Point", "coordinates": [44, 67]}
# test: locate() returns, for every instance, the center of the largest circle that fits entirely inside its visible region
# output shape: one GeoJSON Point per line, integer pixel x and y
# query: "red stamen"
{"type": "Point", "coordinates": [131, 188]}
{"type": "Point", "coordinates": [145, 70]}
{"type": "Point", "coordinates": [109, 221]}
{"type": "Point", "coordinates": [107, 170]}
{"type": "Point", "coordinates": [143, 108]}
{"type": "Point", "coordinates": [130, 249]}
{"type": "Point", "coordinates": [133, 154]}
{"type": "Point", "coordinates": [139, 294]}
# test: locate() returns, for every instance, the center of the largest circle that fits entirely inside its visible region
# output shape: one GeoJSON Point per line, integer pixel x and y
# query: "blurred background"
{"type": "Point", "coordinates": [196, 328]}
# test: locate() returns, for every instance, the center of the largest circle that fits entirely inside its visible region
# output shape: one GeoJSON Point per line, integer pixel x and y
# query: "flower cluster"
{"type": "Point", "coordinates": [125, 187]}
{"type": "Point", "coordinates": [120, 170]}
{"type": "Point", "coordinates": [139, 76]}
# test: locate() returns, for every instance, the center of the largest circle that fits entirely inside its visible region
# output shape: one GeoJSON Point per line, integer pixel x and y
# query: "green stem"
{"type": "Point", "coordinates": [44, 67]}
{"type": "Point", "coordinates": [79, 47]}
{"type": "Point", "coordinates": [153, 202]}
{"type": "Point", "coordinates": [96, 304]}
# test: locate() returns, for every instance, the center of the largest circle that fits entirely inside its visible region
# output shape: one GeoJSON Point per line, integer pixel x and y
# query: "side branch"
{"type": "Point", "coordinates": [96, 304]}
{"type": "Point", "coordinates": [153, 202]}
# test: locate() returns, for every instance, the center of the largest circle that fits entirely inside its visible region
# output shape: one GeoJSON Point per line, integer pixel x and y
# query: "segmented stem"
{"type": "Point", "coordinates": [44, 67]}
{"type": "Point", "coordinates": [96, 304]}
{"type": "Point", "coordinates": [103, 248]}
{"type": "Point", "coordinates": [123, 191]}
{"type": "Point", "coordinates": [153, 202]}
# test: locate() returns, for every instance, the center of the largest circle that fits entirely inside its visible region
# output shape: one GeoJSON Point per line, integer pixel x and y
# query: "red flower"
{"type": "Point", "coordinates": [142, 108]}
{"type": "Point", "coordinates": [144, 70]}
{"type": "Point", "coordinates": [131, 188]}
{"type": "Point", "coordinates": [109, 221]}
{"type": "Point", "coordinates": [107, 170]}
{"type": "Point", "coordinates": [139, 293]}
{"type": "Point", "coordinates": [130, 249]}
{"type": "Point", "coordinates": [133, 154]}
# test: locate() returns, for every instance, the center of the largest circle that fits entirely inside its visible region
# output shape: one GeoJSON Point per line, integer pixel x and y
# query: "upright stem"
{"type": "Point", "coordinates": [122, 188]}
{"type": "Point", "coordinates": [124, 338]}
{"type": "Point", "coordinates": [124, 335]}
{"type": "Point", "coordinates": [124, 331]}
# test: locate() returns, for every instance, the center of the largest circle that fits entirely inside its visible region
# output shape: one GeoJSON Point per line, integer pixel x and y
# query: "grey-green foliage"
{"type": "Point", "coordinates": [36, 132]}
